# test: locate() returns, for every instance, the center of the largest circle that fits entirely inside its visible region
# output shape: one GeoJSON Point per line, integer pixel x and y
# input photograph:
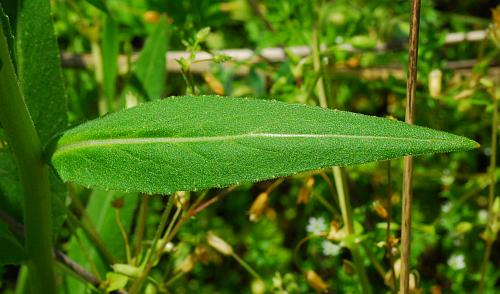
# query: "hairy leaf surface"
{"type": "Point", "coordinates": [189, 143]}
{"type": "Point", "coordinates": [39, 68]}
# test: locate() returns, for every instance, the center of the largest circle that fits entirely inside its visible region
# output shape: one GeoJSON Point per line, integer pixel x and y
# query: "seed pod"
{"type": "Point", "coordinates": [219, 244]}
{"type": "Point", "coordinates": [259, 206]}
{"type": "Point", "coordinates": [316, 282]}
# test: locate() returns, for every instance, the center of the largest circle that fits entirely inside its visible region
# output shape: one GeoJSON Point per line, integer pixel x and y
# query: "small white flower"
{"type": "Point", "coordinates": [456, 261]}
{"type": "Point", "coordinates": [330, 249]}
{"type": "Point", "coordinates": [316, 226]}
{"type": "Point", "coordinates": [446, 207]}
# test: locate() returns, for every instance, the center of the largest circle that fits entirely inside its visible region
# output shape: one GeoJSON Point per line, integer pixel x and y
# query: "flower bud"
{"type": "Point", "coordinates": [202, 34]}
{"type": "Point", "coordinates": [259, 206]}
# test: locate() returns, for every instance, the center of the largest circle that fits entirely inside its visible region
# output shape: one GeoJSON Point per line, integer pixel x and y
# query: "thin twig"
{"type": "Point", "coordinates": [408, 160]}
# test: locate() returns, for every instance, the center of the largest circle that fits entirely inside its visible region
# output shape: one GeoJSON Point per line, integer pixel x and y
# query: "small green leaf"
{"type": "Point", "coordinates": [189, 143]}
{"type": "Point", "coordinates": [150, 71]}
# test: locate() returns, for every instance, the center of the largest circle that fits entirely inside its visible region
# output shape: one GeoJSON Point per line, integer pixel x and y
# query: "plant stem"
{"type": "Point", "coordinates": [491, 193]}
{"type": "Point", "coordinates": [344, 201]}
{"type": "Point", "coordinates": [408, 160]}
{"type": "Point", "coordinates": [137, 285]}
{"type": "Point", "coordinates": [33, 173]}
{"type": "Point", "coordinates": [141, 223]}
{"type": "Point", "coordinates": [247, 267]}
{"type": "Point", "coordinates": [346, 211]}
{"type": "Point", "coordinates": [123, 231]}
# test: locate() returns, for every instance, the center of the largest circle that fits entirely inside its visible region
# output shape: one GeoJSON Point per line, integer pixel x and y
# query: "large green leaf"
{"type": "Point", "coordinates": [41, 81]}
{"type": "Point", "coordinates": [38, 68]}
{"type": "Point", "coordinates": [188, 143]}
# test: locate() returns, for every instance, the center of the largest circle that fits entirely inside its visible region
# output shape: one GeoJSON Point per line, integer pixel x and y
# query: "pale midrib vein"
{"type": "Point", "coordinates": [173, 140]}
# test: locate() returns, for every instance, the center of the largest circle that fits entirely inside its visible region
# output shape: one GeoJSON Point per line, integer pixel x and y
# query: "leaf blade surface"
{"type": "Point", "coordinates": [189, 143]}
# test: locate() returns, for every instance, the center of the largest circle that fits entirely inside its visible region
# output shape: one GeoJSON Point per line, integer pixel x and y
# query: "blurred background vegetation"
{"type": "Point", "coordinates": [287, 235]}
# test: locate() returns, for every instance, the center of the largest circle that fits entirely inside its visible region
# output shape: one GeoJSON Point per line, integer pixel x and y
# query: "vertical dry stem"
{"type": "Point", "coordinates": [408, 160]}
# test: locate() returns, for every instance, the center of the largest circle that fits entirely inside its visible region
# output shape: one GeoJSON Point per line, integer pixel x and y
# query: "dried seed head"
{"type": "Point", "coordinates": [188, 264]}
{"type": "Point", "coordinates": [336, 233]}
{"type": "Point", "coordinates": [219, 244]}
{"type": "Point", "coordinates": [316, 282]}
{"type": "Point", "coordinates": [214, 84]}
{"type": "Point", "coordinates": [259, 206]}
{"type": "Point", "coordinates": [380, 209]}
{"type": "Point", "coordinates": [305, 191]}
{"type": "Point", "coordinates": [435, 82]}
{"type": "Point", "coordinates": [202, 254]}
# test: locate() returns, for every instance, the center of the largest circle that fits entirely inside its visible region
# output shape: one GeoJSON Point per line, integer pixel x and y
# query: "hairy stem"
{"type": "Point", "coordinates": [33, 173]}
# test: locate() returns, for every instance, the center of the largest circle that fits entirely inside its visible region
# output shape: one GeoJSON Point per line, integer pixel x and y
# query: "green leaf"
{"type": "Point", "coordinates": [150, 70]}
{"type": "Point", "coordinates": [110, 51]}
{"type": "Point", "coordinates": [5, 22]}
{"type": "Point", "coordinates": [102, 215]}
{"type": "Point", "coordinates": [99, 4]}
{"type": "Point", "coordinates": [39, 69]}
{"type": "Point", "coordinates": [41, 81]}
{"type": "Point", "coordinates": [11, 251]}
{"type": "Point", "coordinates": [189, 143]}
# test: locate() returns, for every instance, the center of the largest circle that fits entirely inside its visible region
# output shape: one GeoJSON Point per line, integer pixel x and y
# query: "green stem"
{"type": "Point", "coordinates": [344, 201]}
{"type": "Point", "coordinates": [33, 173]}
{"type": "Point", "coordinates": [137, 285]}
{"type": "Point", "coordinates": [491, 193]}
{"type": "Point", "coordinates": [247, 267]}
{"type": "Point", "coordinates": [346, 211]}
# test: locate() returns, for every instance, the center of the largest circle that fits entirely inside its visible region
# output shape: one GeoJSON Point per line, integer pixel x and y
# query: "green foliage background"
{"type": "Point", "coordinates": [450, 190]}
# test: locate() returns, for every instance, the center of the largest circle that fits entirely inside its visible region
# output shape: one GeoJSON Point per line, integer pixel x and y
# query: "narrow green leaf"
{"type": "Point", "coordinates": [99, 4]}
{"type": "Point", "coordinates": [150, 70]}
{"type": "Point", "coordinates": [5, 22]}
{"type": "Point", "coordinates": [11, 251]}
{"type": "Point", "coordinates": [39, 69]}
{"type": "Point", "coordinates": [41, 81]}
{"type": "Point", "coordinates": [110, 51]}
{"type": "Point", "coordinates": [102, 214]}
{"type": "Point", "coordinates": [188, 143]}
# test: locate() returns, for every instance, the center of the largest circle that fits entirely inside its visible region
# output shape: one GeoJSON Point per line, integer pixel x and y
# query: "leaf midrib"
{"type": "Point", "coordinates": [172, 140]}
